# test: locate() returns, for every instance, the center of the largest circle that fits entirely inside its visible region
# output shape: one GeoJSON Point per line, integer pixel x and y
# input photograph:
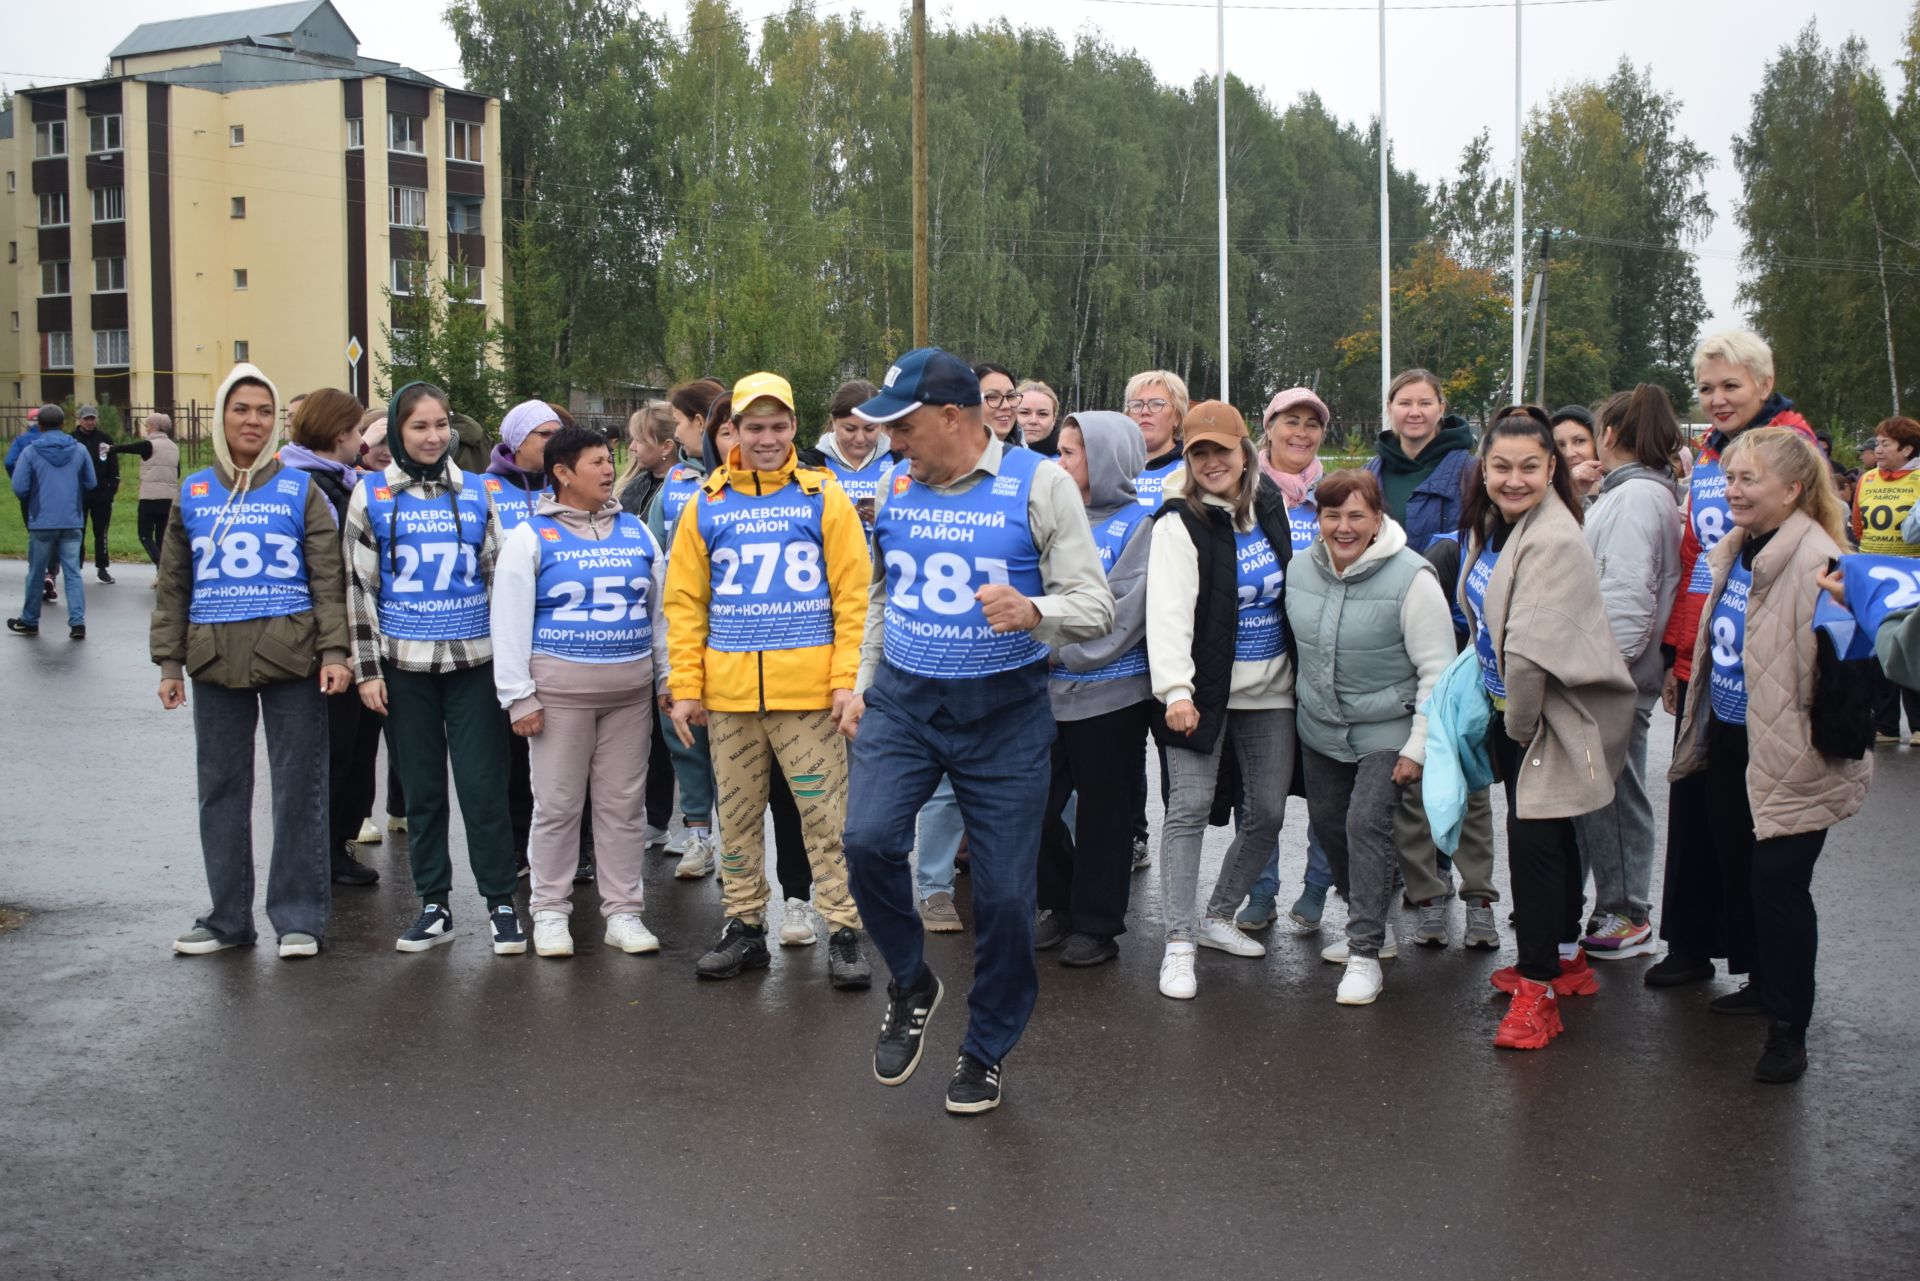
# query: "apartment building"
{"type": "Point", "coordinates": [241, 186]}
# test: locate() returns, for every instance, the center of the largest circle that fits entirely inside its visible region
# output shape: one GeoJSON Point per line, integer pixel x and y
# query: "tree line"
{"type": "Point", "coordinates": [706, 202]}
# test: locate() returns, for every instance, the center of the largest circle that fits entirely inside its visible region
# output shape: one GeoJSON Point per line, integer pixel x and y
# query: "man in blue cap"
{"type": "Point", "coordinates": [982, 560]}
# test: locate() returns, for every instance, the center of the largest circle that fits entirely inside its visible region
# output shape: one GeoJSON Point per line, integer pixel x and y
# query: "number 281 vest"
{"type": "Point", "coordinates": [430, 583]}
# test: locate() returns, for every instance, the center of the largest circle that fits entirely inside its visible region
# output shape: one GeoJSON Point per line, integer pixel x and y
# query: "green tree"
{"type": "Point", "coordinates": [1451, 319]}
{"type": "Point", "coordinates": [442, 335]}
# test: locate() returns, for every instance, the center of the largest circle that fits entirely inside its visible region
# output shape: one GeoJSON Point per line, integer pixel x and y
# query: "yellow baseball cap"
{"type": "Point", "coordinates": [754, 386]}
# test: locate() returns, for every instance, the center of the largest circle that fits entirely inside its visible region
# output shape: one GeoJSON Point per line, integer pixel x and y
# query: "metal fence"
{"type": "Point", "coordinates": [192, 427]}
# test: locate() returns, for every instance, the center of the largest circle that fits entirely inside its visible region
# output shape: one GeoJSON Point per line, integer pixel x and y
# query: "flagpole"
{"type": "Point", "coordinates": [1386, 290]}
{"type": "Point", "coordinates": [1519, 217]}
{"type": "Point", "coordinates": [1220, 95]}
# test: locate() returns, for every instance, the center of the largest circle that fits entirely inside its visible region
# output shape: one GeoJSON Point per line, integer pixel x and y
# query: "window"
{"type": "Point", "coordinates": [109, 275]}
{"type": "Point", "coordinates": [239, 277]}
{"type": "Point", "coordinates": [400, 343]}
{"type": "Point", "coordinates": [56, 278]}
{"type": "Point", "coordinates": [236, 135]}
{"type": "Point", "coordinates": [110, 347]}
{"type": "Point", "coordinates": [463, 141]}
{"type": "Point", "coordinates": [53, 209]}
{"type": "Point", "coordinates": [406, 133]}
{"type": "Point", "coordinates": [103, 133]}
{"type": "Point", "coordinates": [409, 277]}
{"type": "Point", "coordinates": [56, 349]}
{"type": "Point", "coordinates": [16, 322]}
{"type": "Point", "coordinates": [463, 216]}
{"type": "Point", "coordinates": [109, 204]}
{"type": "Point", "coordinates": [49, 140]}
{"type": "Point", "coordinates": [240, 356]}
{"type": "Point", "coordinates": [467, 282]}
{"type": "Point", "coordinates": [356, 133]}
{"type": "Point", "coordinates": [239, 208]}
{"type": "Point", "coordinates": [12, 184]}
{"type": "Point", "coordinates": [408, 207]}
{"type": "Point", "coordinates": [13, 251]}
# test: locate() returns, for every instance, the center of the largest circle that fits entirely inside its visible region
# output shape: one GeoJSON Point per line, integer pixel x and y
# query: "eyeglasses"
{"type": "Point", "coordinates": [998, 398]}
{"type": "Point", "coordinates": [1153, 406]}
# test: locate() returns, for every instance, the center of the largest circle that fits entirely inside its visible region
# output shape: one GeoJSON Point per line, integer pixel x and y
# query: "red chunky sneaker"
{"type": "Point", "coordinates": [1532, 1020]}
{"type": "Point", "coordinates": [1576, 978]}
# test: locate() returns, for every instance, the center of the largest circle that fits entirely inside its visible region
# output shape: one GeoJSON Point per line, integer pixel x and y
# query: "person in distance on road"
{"type": "Point", "coordinates": [52, 488]}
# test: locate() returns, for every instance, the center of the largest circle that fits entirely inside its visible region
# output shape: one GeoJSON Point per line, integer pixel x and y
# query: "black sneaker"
{"type": "Point", "coordinates": [583, 871]}
{"type": "Point", "coordinates": [1051, 930]}
{"type": "Point", "coordinates": [508, 938]}
{"type": "Point", "coordinates": [348, 870]}
{"type": "Point", "coordinates": [847, 966]}
{"type": "Point", "coordinates": [741, 947]}
{"type": "Point", "coordinates": [78, 633]}
{"type": "Point", "coordinates": [975, 1086]}
{"type": "Point", "coordinates": [434, 927]}
{"type": "Point", "coordinates": [897, 1053]}
{"type": "Point", "coordinates": [1676, 969]}
{"type": "Point", "coordinates": [19, 628]}
{"type": "Point", "coordinates": [1784, 1061]}
{"type": "Point", "coordinates": [1141, 858]}
{"type": "Point", "coordinates": [48, 592]}
{"type": "Point", "coordinates": [106, 578]}
{"type": "Point", "coordinates": [1084, 950]}
{"type": "Point", "coordinates": [1745, 1001]}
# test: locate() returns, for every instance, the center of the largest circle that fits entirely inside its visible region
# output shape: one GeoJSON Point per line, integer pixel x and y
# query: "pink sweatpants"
{"type": "Point", "coordinates": [607, 747]}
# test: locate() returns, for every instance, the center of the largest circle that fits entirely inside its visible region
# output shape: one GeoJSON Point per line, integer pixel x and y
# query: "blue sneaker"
{"type": "Point", "coordinates": [434, 927]}
{"type": "Point", "coordinates": [508, 938]}
{"type": "Point", "coordinates": [1260, 912]}
{"type": "Point", "coordinates": [1306, 910]}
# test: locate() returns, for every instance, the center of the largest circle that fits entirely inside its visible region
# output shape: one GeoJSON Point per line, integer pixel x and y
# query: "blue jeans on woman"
{"type": "Point", "coordinates": [1319, 871]}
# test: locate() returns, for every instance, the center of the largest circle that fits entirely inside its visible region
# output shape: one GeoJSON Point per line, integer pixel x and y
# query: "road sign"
{"type": "Point", "coordinates": [354, 352]}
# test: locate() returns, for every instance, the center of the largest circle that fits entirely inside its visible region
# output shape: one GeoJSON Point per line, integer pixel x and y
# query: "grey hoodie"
{"type": "Point", "coordinates": [1634, 528]}
{"type": "Point", "coordinates": [1115, 455]}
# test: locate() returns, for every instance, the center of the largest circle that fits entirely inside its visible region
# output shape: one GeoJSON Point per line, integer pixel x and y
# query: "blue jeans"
{"type": "Point", "coordinates": [1000, 771]}
{"type": "Point", "coordinates": [1319, 871]}
{"type": "Point", "coordinates": [939, 845]}
{"type": "Point", "coordinates": [44, 546]}
{"type": "Point", "coordinates": [299, 877]}
{"type": "Point", "coordinates": [692, 770]}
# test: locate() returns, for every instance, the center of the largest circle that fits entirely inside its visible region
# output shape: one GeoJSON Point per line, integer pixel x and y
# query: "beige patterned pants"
{"type": "Point", "coordinates": [809, 751]}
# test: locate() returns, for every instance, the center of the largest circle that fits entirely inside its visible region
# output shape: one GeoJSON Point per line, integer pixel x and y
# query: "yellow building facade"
{"type": "Point", "coordinates": [253, 197]}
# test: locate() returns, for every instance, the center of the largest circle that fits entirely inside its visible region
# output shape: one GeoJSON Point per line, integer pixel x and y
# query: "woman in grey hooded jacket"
{"type": "Point", "coordinates": [1102, 703]}
{"type": "Point", "coordinates": [1633, 527]}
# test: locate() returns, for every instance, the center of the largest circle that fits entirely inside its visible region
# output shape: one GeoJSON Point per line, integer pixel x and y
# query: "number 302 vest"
{"type": "Point", "coordinates": [938, 550]}
{"type": "Point", "coordinates": [593, 601]}
{"type": "Point", "coordinates": [430, 584]}
{"type": "Point", "coordinates": [249, 558]}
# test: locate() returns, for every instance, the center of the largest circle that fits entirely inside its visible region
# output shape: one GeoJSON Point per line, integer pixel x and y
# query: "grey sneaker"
{"type": "Point", "coordinates": [847, 966]}
{"type": "Point", "coordinates": [298, 944]}
{"type": "Point", "coordinates": [1259, 913]}
{"type": "Point", "coordinates": [1432, 930]}
{"type": "Point", "coordinates": [1481, 931]}
{"type": "Point", "coordinates": [199, 941]}
{"type": "Point", "coordinates": [937, 914]}
{"type": "Point", "coordinates": [1142, 857]}
{"type": "Point", "coordinates": [1306, 910]}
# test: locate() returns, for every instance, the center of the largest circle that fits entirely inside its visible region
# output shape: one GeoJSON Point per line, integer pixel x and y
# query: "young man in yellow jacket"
{"type": "Point", "coordinates": [766, 607]}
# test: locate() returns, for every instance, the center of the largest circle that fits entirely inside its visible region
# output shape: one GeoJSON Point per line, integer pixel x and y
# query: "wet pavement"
{"type": "Point", "coordinates": [371, 1114]}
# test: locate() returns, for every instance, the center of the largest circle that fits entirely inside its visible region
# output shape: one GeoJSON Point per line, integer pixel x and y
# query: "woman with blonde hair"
{"type": "Point", "coordinates": [1157, 401]}
{"type": "Point", "coordinates": [1037, 414]}
{"type": "Point", "coordinates": [1759, 729]}
{"type": "Point", "coordinates": [651, 449]}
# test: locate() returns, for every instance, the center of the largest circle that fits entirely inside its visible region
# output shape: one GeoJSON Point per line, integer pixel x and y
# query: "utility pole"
{"type": "Point", "coordinates": [921, 283]}
{"type": "Point", "coordinates": [1220, 101]}
{"type": "Point", "coordinates": [1519, 204]}
{"type": "Point", "coordinates": [1386, 264]}
{"type": "Point", "coordinates": [1540, 375]}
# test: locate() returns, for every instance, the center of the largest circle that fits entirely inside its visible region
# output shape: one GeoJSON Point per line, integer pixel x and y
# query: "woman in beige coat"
{"type": "Point", "coordinates": [1563, 703]}
{"type": "Point", "coordinates": [1749, 727]}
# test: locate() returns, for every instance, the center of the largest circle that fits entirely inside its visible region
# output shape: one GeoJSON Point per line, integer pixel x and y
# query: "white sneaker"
{"type": "Point", "coordinates": [397, 824]}
{"type": "Point", "coordinates": [698, 859]}
{"type": "Point", "coordinates": [551, 937]}
{"type": "Point", "coordinates": [626, 931]}
{"type": "Point", "coordinates": [654, 837]}
{"type": "Point", "coordinates": [796, 929]}
{"type": "Point", "coordinates": [1176, 972]}
{"type": "Point", "coordinates": [1224, 936]}
{"type": "Point", "coordinates": [370, 833]}
{"type": "Point", "coordinates": [1336, 952]}
{"type": "Point", "coordinates": [1361, 983]}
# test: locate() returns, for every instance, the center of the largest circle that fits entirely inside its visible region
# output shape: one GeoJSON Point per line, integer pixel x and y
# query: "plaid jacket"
{"type": "Point", "coordinates": [370, 646]}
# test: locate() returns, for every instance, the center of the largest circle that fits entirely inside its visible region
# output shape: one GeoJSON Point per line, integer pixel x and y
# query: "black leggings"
{"type": "Point", "coordinates": [151, 520]}
{"type": "Point", "coordinates": [1543, 866]}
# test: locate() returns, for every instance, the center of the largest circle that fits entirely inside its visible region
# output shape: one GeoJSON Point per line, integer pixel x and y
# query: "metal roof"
{"type": "Point", "coordinates": [215, 28]}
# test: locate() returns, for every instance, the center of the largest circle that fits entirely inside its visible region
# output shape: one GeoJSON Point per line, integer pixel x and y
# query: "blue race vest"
{"type": "Point", "coordinates": [1478, 577]}
{"type": "Point", "coordinates": [683, 482]}
{"type": "Point", "coordinates": [1727, 687]}
{"type": "Point", "coordinates": [1110, 539]}
{"type": "Point", "coordinates": [258, 568]}
{"type": "Point", "coordinates": [1878, 587]}
{"type": "Point", "coordinates": [1258, 636]}
{"type": "Point", "coordinates": [593, 602]}
{"type": "Point", "coordinates": [1711, 517]}
{"type": "Point", "coordinates": [513, 503]}
{"type": "Point", "coordinates": [861, 484]}
{"type": "Point", "coordinates": [1304, 522]}
{"type": "Point", "coordinates": [766, 557]}
{"type": "Point", "coordinates": [1147, 486]}
{"type": "Point", "coordinates": [938, 550]}
{"type": "Point", "coordinates": [430, 585]}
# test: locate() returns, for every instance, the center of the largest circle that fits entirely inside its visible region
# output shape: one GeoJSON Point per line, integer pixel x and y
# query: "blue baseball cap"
{"type": "Point", "coordinates": [924, 376]}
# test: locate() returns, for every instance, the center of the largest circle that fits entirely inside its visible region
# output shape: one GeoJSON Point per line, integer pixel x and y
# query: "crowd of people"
{"type": "Point", "coordinates": [960, 617]}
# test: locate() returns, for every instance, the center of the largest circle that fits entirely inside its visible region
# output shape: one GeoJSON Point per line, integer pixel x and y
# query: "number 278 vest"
{"type": "Point", "coordinates": [938, 550]}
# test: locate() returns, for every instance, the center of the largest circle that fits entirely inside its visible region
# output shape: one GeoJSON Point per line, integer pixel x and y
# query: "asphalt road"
{"type": "Point", "coordinates": [371, 1114]}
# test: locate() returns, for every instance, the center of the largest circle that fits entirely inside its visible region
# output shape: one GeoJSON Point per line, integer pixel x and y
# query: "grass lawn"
{"type": "Point", "coordinates": [122, 539]}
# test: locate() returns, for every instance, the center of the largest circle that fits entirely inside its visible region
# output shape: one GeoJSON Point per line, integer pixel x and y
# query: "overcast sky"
{"type": "Point", "coordinates": [1450, 65]}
